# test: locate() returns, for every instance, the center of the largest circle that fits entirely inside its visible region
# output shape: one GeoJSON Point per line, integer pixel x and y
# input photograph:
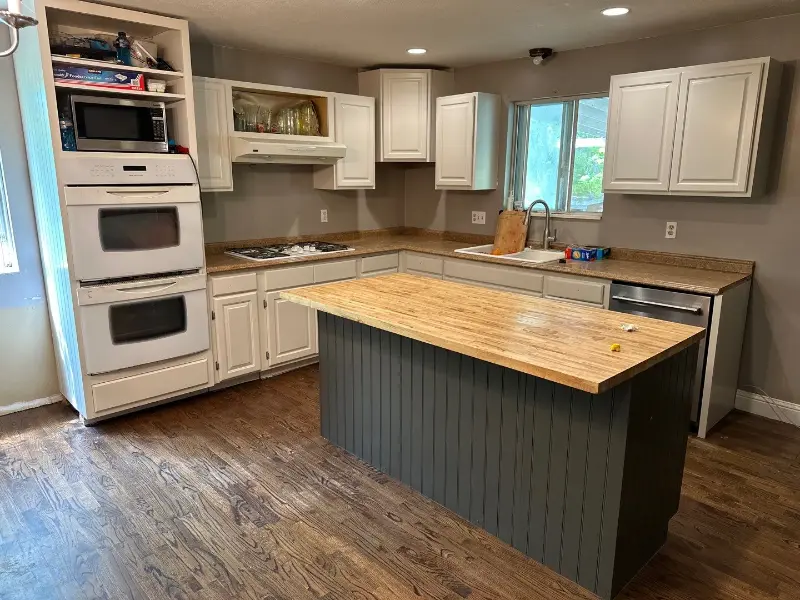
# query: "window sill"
{"type": "Point", "coordinates": [570, 216]}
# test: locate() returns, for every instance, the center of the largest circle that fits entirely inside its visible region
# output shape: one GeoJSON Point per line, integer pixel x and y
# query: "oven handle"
{"type": "Point", "coordinates": [148, 194]}
{"type": "Point", "coordinates": [148, 288]}
{"type": "Point", "coordinates": [695, 310]}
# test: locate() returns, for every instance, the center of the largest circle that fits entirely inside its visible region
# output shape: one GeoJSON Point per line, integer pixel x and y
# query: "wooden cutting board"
{"type": "Point", "coordinates": [511, 232]}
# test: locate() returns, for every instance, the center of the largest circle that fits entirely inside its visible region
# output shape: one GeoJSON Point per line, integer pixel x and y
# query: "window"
{"type": "Point", "coordinates": [559, 152]}
{"type": "Point", "coordinates": [8, 254]}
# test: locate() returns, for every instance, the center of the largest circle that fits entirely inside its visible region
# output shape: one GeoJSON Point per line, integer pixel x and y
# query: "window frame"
{"type": "Point", "coordinates": [9, 262]}
{"type": "Point", "coordinates": [519, 155]}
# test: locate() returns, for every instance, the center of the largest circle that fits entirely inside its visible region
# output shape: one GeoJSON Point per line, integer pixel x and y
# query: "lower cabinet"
{"type": "Point", "coordinates": [237, 345]}
{"type": "Point", "coordinates": [291, 330]}
{"type": "Point", "coordinates": [581, 290]}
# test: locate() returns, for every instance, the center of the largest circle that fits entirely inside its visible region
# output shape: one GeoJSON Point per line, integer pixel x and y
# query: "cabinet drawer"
{"type": "Point", "coordinates": [279, 279]}
{"type": "Point", "coordinates": [335, 271]}
{"type": "Point", "coordinates": [153, 385]}
{"type": "Point", "coordinates": [223, 285]}
{"type": "Point", "coordinates": [381, 272]}
{"type": "Point", "coordinates": [425, 264]}
{"type": "Point", "coordinates": [504, 277]}
{"type": "Point", "coordinates": [369, 264]}
{"type": "Point", "coordinates": [577, 289]}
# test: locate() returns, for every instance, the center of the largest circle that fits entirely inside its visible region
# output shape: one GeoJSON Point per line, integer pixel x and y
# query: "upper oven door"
{"type": "Point", "coordinates": [126, 231]}
{"type": "Point", "coordinates": [117, 124]}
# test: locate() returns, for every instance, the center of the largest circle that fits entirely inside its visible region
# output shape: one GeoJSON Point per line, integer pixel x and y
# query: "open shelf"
{"type": "Point", "coordinates": [100, 64]}
{"type": "Point", "coordinates": [165, 96]}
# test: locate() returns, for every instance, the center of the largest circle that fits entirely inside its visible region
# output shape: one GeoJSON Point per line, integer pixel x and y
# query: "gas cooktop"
{"type": "Point", "coordinates": [262, 253]}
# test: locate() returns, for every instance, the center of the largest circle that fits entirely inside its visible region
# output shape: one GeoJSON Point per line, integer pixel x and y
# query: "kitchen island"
{"type": "Point", "coordinates": [514, 412]}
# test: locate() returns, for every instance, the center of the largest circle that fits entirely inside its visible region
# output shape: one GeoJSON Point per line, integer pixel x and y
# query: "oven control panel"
{"type": "Point", "coordinates": [105, 168]}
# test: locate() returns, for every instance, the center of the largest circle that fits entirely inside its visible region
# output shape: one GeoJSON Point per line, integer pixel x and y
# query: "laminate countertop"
{"type": "Point", "coordinates": [700, 275]}
{"type": "Point", "coordinates": [531, 335]}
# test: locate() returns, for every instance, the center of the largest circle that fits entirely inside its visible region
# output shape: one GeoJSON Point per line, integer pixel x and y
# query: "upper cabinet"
{"type": "Point", "coordinates": [466, 141]}
{"type": "Point", "coordinates": [355, 128]}
{"type": "Point", "coordinates": [638, 103]}
{"type": "Point", "coordinates": [695, 131]}
{"type": "Point", "coordinates": [212, 107]}
{"type": "Point", "coordinates": [406, 101]}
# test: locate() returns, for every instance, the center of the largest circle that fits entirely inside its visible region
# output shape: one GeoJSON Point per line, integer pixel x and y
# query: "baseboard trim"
{"type": "Point", "coordinates": [28, 404]}
{"type": "Point", "coordinates": [771, 408]}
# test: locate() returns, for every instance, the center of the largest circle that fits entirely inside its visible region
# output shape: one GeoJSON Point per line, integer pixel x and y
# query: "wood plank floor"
{"type": "Point", "coordinates": [235, 495]}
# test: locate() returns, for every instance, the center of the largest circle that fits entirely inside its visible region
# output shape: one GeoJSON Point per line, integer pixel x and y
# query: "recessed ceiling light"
{"type": "Point", "coordinates": [416, 51]}
{"type": "Point", "coordinates": [617, 11]}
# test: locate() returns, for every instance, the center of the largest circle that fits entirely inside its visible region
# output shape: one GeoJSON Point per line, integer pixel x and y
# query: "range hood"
{"type": "Point", "coordinates": [254, 150]}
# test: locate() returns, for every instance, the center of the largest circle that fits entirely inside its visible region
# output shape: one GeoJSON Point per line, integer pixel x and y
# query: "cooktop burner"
{"type": "Point", "coordinates": [260, 253]}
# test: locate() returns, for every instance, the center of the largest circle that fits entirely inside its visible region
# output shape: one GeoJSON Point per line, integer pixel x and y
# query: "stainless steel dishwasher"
{"type": "Point", "coordinates": [678, 307]}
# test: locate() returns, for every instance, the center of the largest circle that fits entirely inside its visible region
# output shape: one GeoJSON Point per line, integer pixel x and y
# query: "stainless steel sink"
{"type": "Point", "coordinates": [528, 255]}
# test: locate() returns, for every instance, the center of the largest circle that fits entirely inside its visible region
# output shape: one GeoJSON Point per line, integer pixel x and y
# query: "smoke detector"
{"type": "Point", "coordinates": [539, 55]}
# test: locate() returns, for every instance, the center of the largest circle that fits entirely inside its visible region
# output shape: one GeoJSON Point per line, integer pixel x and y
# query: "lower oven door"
{"type": "Point", "coordinates": [135, 323]}
{"type": "Point", "coordinates": [130, 231]}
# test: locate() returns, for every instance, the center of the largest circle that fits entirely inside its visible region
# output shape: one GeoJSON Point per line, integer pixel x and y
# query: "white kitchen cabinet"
{"type": "Point", "coordinates": [236, 341]}
{"type": "Point", "coordinates": [424, 265]}
{"type": "Point", "coordinates": [212, 102]}
{"type": "Point", "coordinates": [354, 118]}
{"type": "Point", "coordinates": [406, 106]}
{"type": "Point", "coordinates": [641, 131]}
{"type": "Point", "coordinates": [382, 264]}
{"type": "Point", "coordinates": [292, 331]}
{"type": "Point", "coordinates": [466, 141]}
{"type": "Point", "coordinates": [500, 277]}
{"type": "Point", "coordinates": [694, 131]}
{"type": "Point", "coordinates": [718, 109]}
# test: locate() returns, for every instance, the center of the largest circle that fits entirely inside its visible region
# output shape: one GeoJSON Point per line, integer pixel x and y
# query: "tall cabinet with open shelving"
{"type": "Point", "coordinates": [49, 164]}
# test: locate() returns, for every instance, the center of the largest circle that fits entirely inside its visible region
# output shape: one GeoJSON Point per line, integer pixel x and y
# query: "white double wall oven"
{"type": "Point", "coordinates": [136, 238]}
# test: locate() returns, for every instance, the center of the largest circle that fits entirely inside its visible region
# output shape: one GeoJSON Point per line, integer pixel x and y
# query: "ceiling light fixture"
{"type": "Point", "coordinates": [416, 51]}
{"type": "Point", "coordinates": [616, 11]}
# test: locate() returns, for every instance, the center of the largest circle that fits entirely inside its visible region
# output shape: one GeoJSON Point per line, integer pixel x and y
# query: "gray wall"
{"type": "Point", "coordinates": [763, 229]}
{"type": "Point", "coordinates": [27, 363]}
{"type": "Point", "coordinates": [280, 200]}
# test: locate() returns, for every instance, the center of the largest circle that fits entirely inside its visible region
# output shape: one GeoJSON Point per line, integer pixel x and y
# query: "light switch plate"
{"type": "Point", "coordinates": [672, 230]}
{"type": "Point", "coordinates": [478, 217]}
{"type": "Point", "coordinates": [323, 215]}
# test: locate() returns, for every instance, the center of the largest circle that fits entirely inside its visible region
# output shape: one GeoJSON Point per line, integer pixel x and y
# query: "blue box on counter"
{"type": "Point", "coordinates": [586, 253]}
{"type": "Point", "coordinates": [120, 80]}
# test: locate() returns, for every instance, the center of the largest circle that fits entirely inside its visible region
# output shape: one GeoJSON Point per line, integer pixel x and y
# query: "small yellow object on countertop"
{"type": "Point", "coordinates": [616, 348]}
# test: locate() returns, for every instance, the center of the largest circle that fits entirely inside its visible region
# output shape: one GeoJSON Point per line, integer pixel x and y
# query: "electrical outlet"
{"type": "Point", "coordinates": [478, 217]}
{"type": "Point", "coordinates": [672, 230]}
{"type": "Point", "coordinates": [323, 215]}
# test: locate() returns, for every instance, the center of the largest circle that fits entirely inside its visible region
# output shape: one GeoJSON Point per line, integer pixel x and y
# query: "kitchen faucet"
{"type": "Point", "coordinates": [546, 238]}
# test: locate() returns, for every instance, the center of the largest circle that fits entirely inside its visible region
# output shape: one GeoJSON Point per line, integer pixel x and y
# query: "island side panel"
{"type": "Point", "coordinates": [583, 483]}
{"type": "Point", "coordinates": [656, 438]}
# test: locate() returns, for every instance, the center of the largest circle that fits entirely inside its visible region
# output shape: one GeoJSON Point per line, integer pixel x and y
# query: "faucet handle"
{"type": "Point", "coordinates": [553, 237]}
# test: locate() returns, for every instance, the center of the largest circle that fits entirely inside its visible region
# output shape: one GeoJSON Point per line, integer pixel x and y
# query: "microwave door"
{"type": "Point", "coordinates": [118, 125]}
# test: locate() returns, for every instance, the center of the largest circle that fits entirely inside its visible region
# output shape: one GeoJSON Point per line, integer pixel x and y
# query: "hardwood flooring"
{"type": "Point", "coordinates": [235, 495]}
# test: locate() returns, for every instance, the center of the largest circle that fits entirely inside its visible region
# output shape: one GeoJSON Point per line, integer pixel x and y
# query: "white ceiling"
{"type": "Point", "coordinates": [455, 32]}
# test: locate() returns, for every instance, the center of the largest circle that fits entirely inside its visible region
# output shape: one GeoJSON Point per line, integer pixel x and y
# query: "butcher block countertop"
{"type": "Point", "coordinates": [532, 335]}
{"type": "Point", "coordinates": [699, 275]}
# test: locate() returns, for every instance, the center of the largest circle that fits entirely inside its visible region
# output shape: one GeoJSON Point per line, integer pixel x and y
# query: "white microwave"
{"type": "Point", "coordinates": [128, 231]}
{"type": "Point", "coordinates": [134, 323]}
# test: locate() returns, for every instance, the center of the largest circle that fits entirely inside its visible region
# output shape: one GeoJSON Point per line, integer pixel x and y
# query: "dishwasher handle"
{"type": "Point", "coordinates": [695, 310]}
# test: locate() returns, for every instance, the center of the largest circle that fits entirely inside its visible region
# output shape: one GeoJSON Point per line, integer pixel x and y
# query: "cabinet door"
{"type": "Point", "coordinates": [404, 105]}
{"type": "Point", "coordinates": [641, 131]}
{"type": "Point", "coordinates": [717, 115]}
{"type": "Point", "coordinates": [355, 128]}
{"type": "Point", "coordinates": [237, 347]}
{"type": "Point", "coordinates": [455, 140]}
{"type": "Point", "coordinates": [292, 330]}
{"type": "Point", "coordinates": [213, 150]}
